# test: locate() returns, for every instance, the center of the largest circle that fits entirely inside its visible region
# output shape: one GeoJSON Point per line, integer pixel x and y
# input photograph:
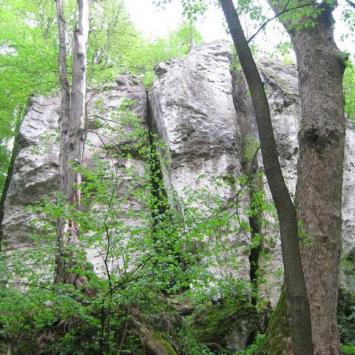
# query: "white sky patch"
{"type": "Point", "coordinates": [7, 50]}
{"type": "Point", "coordinates": [155, 22]}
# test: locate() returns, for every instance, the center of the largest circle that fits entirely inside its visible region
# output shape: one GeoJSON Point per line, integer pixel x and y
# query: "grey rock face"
{"type": "Point", "coordinates": [282, 92]}
{"type": "Point", "coordinates": [192, 106]}
{"type": "Point", "coordinates": [193, 112]}
{"type": "Point", "coordinates": [35, 171]}
{"type": "Point", "coordinates": [347, 275]}
{"type": "Point", "coordinates": [35, 174]}
{"type": "Point", "coordinates": [203, 126]}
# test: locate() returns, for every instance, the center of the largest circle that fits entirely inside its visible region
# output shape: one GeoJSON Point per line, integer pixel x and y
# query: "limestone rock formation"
{"type": "Point", "coordinates": [35, 172]}
{"type": "Point", "coordinates": [203, 115]}
{"type": "Point", "coordinates": [193, 113]}
{"type": "Point", "coordinates": [192, 110]}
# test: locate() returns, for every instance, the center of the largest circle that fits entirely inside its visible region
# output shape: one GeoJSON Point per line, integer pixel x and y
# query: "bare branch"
{"type": "Point", "coordinates": [283, 11]}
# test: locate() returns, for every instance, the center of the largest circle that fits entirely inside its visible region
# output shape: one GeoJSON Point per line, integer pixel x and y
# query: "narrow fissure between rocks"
{"type": "Point", "coordinates": [249, 144]}
{"type": "Point", "coordinates": [160, 206]}
{"type": "Point", "coordinates": [255, 222]}
{"type": "Point", "coordinates": [160, 199]}
{"type": "Point", "coordinates": [15, 151]}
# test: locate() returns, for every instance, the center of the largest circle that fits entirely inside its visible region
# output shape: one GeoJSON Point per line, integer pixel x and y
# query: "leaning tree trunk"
{"type": "Point", "coordinates": [320, 170]}
{"type": "Point", "coordinates": [72, 118]}
{"type": "Point", "coordinates": [294, 280]}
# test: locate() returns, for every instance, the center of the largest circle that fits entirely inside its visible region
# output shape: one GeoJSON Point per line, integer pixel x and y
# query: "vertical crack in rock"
{"type": "Point", "coordinates": [252, 170]}
{"type": "Point", "coordinates": [255, 222]}
{"type": "Point", "coordinates": [192, 111]}
{"type": "Point", "coordinates": [158, 191]}
{"type": "Point", "coordinates": [15, 150]}
{"type": "Point", "coordinates": [163, 205]}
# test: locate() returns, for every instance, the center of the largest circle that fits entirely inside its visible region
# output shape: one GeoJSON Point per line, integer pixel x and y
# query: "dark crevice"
{"type": "Point", "coordinates": [10, 171]}
{"type": "Point", "coordinates": [255, 222]}
{"type": "Point", "coordinates": [160, 204]}
{"type": "Point", "coordinates": [251, 169]}
{"type": "Point", "coordinates": [163, 218]}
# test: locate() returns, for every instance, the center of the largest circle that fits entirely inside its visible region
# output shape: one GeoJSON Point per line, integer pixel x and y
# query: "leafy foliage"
{"type": "Point", "coordinates": [346, 318]}
{"type": "Point", "coordinates": [349, 90]}
{"type": "Point", "coordinates": [348, 349]}
{"type": "Point", "coordinates": [27, 63]}
{"type": "Point", "coordinates": [145, 253]}
{"type": "Point", "coordinates": [254, 347]}
{"type": "Point", "coordinates": [29, 51]}
{"type": "Point", "coordinates": [191, 8]}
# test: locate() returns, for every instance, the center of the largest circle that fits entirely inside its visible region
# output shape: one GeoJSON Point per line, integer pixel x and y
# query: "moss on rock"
{"type": "Point", "coordinates": [229, 326]}
{"type": "Point", "coordinates": [276, 338]}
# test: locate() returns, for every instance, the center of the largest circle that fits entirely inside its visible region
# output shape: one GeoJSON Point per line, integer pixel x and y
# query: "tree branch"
{"type": "Point", "coordinates": [283, 11]}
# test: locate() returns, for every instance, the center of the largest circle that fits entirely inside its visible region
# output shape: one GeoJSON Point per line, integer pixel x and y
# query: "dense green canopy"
{"type": "Point", "coordinates": [29, 50]}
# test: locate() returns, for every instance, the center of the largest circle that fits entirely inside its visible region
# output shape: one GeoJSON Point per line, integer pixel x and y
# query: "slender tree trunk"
{"type": "Point", "coordinates": [78, 102]}
{"type": "Point", "coordinates": [63, 125]}
{"type": "Point", "coordinates": [320, 170]}
{"type": "Point", "coordinates": [294, 280]}
{"type": "Point", "coordinates": [72, 119]}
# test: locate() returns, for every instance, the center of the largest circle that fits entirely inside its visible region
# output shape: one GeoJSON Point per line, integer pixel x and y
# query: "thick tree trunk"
{"type": "Point", "coordinates": [294, 280]}
{"type": "Point", "coordinates": [320, 174]}
{"type": "Point", "coordinates": [320, 171]}
{"type": "Point", "coordinates": [72, 119]}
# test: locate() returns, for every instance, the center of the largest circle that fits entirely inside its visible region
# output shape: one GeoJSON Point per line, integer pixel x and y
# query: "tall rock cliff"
{"type": "Point", "coordinates": [202, 113]}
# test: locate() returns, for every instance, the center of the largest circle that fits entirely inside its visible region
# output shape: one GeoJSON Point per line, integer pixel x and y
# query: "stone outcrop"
{"type": "Point", "coordinates": [35, 171]}
{"type": "Point", "coordinates": [203, 115]}
{"type": "Point", "coordinates": [193, 113]}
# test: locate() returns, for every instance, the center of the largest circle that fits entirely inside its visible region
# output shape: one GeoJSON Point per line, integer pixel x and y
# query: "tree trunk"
{"type": "Point", "coordinates": [78, 103]}
{"type": "Point", "coordinates": [63, 125]}
{"type": "Point", "coordinates": [294, 280]}
{"type": "Point", "coordinates": [320, 174]}
{"type": "Point", "coordinates": [320, 170]}
{"type": "Point", "coordinates": [72, 118]}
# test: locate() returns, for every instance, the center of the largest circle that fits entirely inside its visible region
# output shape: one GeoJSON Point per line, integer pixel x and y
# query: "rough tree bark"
{"type": "Point", "coordinates": [294, 280]}
{"type": "Point", "coordinates": [320, 168]}
{"type": "Point", "coordinates": [72, 119]}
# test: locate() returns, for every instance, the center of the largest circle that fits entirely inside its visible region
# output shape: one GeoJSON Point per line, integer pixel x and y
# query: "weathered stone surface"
{"type": "Point", "coordinates": [35, 173]}
{"type": "Point", "coordinates": [193, 114]}
{"type": "Point", "coordinates": [282, 92]}
{"type": "Point", "coordinates": [347, 275]}
{"type": "Point", "coordinates": [286, 113]}
{"type": "Point", "coordinates": [192, 110]}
